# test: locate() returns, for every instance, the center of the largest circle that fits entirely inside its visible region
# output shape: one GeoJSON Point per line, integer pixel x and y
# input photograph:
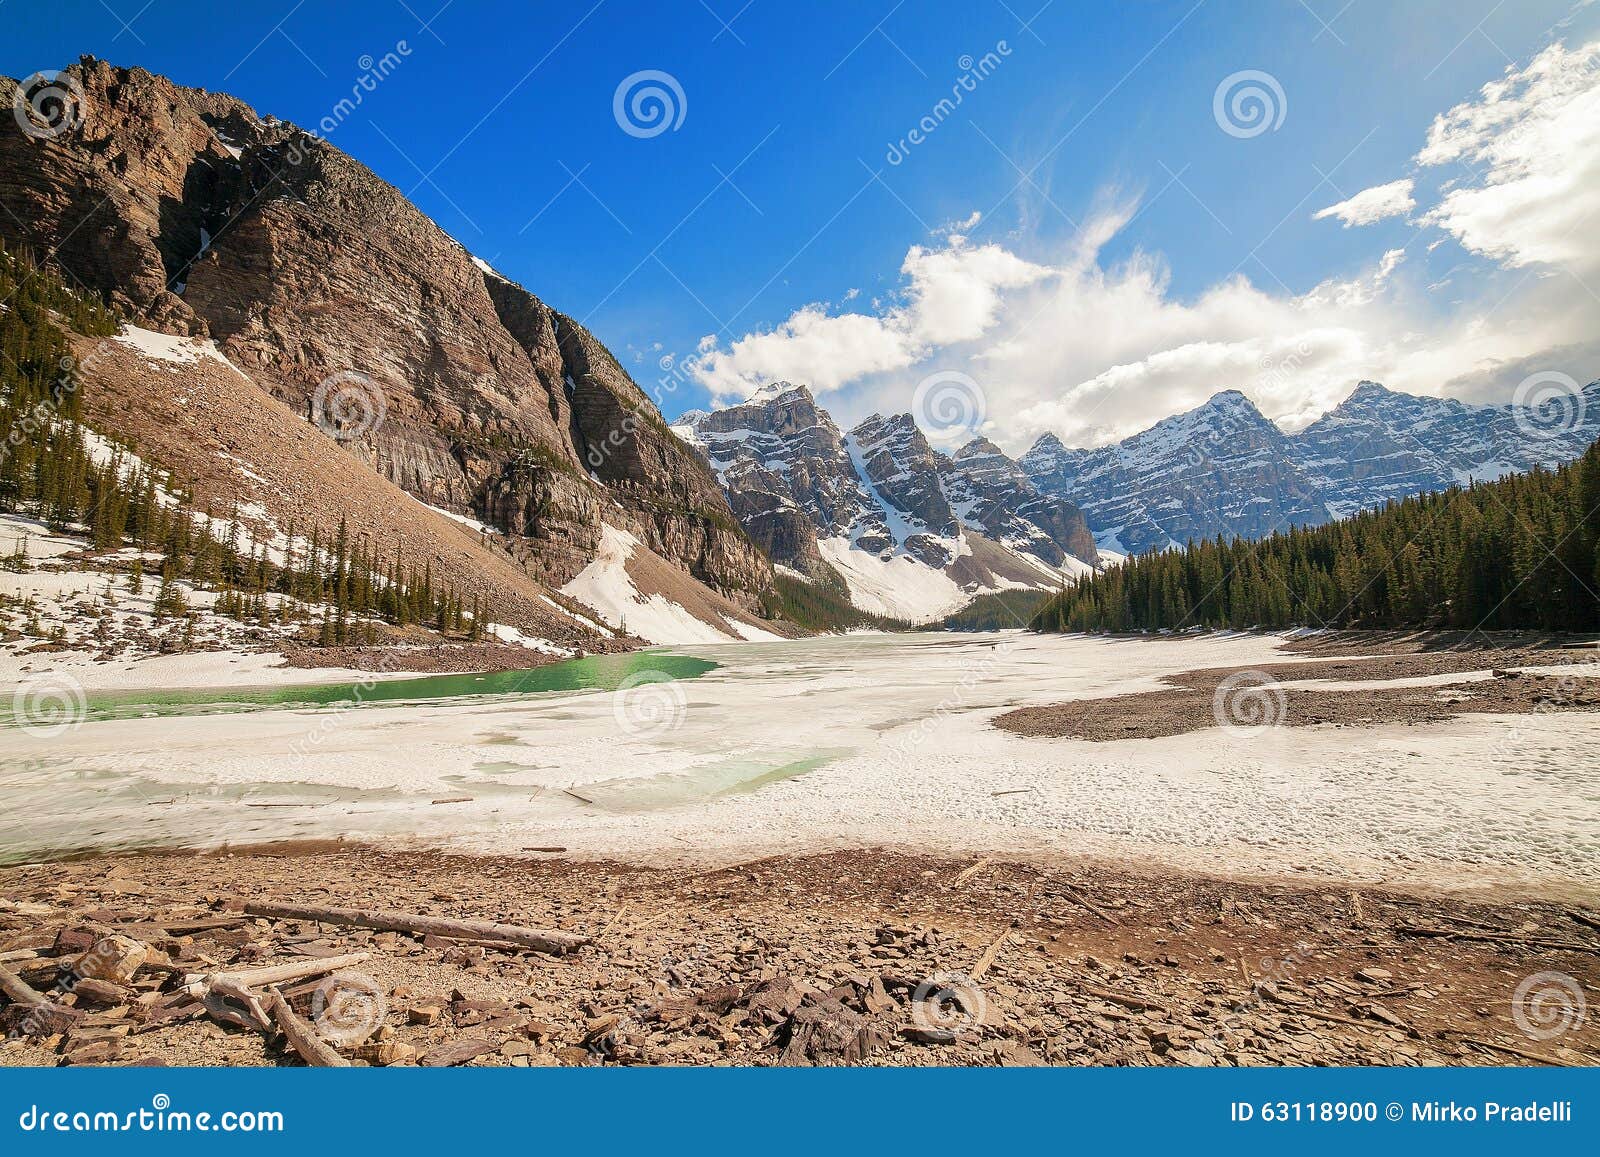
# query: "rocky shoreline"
{"type": "Point", "coordinates": [1369, 664]}
{"type": "Point", "coordinates": [866, 957]}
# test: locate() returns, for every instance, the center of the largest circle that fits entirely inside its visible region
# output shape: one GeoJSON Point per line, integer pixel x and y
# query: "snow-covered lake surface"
{"type": "Point", "coordinates": [859, 740]}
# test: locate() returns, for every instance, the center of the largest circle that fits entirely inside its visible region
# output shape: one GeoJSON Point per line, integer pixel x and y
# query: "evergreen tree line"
{"type": "Point", "coordinates": [54, 469]}
{"type": "Point", "coordinates": [1520, 553]}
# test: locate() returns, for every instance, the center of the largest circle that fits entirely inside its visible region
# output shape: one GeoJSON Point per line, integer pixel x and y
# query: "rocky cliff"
{"type": "Point", "coordinates": [327, 287]}
{"type": "Point", "coordinates": [905, 530]}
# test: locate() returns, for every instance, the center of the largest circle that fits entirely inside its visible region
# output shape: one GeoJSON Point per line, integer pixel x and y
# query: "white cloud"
{"type": "Point", "coordinates": [1066, 343]}
{"type": "Point", "coordinates": [1531, 146]}
{"type": "Point", "coordinates": [952, 294]}
{"type": "Point", "coordinates": [1372, 205]}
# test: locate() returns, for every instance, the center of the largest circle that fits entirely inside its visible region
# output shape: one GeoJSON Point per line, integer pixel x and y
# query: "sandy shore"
{"type": "Point", "coordinates": [868, 957]}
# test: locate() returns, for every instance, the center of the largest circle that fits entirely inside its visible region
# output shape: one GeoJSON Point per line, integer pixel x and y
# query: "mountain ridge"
{"type": "Point", "coordinates": [1223, 468]}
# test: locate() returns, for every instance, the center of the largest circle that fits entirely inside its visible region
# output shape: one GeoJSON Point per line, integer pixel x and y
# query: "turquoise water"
{"type": "Point", "coordinates": [596, 673]}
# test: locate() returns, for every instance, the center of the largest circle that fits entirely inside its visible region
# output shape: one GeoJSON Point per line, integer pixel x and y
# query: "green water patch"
{"type": "Point", "coordinates": [737, 776]}
{"type": "Point", "coordinates": [594, 673]}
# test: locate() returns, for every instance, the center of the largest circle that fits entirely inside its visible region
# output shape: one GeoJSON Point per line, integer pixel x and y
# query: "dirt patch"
{"type": "Point", "coordinates": [859, 957]}
{"type": "Point", "coordinates": [435, 658]}
{"type": "Point", "coordinates": [1255, 696]}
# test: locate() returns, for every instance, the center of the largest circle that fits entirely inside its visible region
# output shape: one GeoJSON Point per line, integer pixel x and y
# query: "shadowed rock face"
{"type": "Point", "coordinates": [195, 216]}
{"type": "Point", "coordinates": [991, 492]}
{"type": "Point", "coordinates": [787, 473]}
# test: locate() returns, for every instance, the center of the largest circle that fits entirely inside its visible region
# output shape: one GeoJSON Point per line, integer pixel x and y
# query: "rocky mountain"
{"type": "Point", "coordinates": [904, 530]}
{"type": "Point", "coordinates": [1223, 468]}
{"type": "Point", "coordinates": [324, 287]}
{"type": "Point", "coordinates": [991, 492]}
{"type": "Point", "coordinates": [1378, 444]}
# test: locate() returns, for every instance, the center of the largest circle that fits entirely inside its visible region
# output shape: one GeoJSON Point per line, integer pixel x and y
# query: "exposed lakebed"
{"type": "Point", "coordinates": [717, 753]}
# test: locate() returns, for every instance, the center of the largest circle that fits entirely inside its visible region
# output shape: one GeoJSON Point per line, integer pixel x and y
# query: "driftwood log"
{"type": "Point", "coordinates": [301, 1036]}
{"type": "Point", "coordinates": [538, 939]}
{"type": "Point", "coordinates": [199, 983]}
{"type": "Point", "coordinates": [31, 1012]}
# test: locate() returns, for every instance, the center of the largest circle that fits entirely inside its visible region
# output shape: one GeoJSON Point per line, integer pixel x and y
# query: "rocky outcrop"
{"type": "Point", "coordinates": [991, 493]}
{"type": "Point", "coordinates": [895, 460]}
{"type": "Point", "coordinates": [878, 513]}
{"type": "Point", "coordinates": [327, 287]}
{"type": "Point", "coordinates": [787, 473]}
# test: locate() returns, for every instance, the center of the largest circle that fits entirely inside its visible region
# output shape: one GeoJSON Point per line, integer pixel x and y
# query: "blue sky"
{"type": "Point", "coordinates": [500, 124]}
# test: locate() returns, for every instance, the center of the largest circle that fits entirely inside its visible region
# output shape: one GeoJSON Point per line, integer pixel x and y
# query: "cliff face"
{"type": "Point", "coordinates": [326, 286]}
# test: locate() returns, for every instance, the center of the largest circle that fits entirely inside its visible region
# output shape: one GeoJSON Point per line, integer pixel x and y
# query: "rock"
{"type": "Point", "coordinates": [1015, 1054]}
{"type": "Point", "coordinates": [825, 1032]}
{"type": "Point", "coordinates": [424, 1014]}
{"type": "Point", "coordinates": [916, 1034]}
{"type": "Point", "coordinates": [774, 1001]}
{"type": "Point", "coordinates": [386, 1053]}
{"type": "Point", "coordinates": [457, 1053]}
{"type": "Point", "coordinates": [1374, 975]}
{"type": "Point", "coordinates": [113, 958]}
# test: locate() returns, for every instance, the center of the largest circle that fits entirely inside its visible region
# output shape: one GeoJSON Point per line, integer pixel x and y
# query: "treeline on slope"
{"type": "Point", "coordinates": [821, 606]}
{"type": "Point", "coordinates": [996, 611]}
{"type": "Point", "coordinates": [49, 469]}
{"type": "Point", "coordinates": [1519, 553]}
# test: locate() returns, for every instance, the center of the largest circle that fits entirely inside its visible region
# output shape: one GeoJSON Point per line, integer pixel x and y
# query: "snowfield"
{"type": "Point", "coordinates": [846, 741]}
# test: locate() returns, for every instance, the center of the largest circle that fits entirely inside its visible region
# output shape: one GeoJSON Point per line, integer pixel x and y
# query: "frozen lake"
{"type": "Point", "coordinates": [800, 746]}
